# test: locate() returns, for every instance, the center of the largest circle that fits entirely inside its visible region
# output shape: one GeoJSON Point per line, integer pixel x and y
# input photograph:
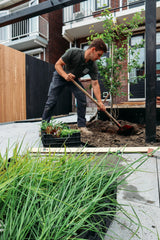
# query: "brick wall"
{"type": "Point", "coordinates": [57, 44]}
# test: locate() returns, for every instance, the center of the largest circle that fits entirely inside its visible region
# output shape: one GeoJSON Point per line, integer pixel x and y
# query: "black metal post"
{"type": "Point", "coordinates": [44, 7]}
{"type": "Point", "coordinates": [150, 19]}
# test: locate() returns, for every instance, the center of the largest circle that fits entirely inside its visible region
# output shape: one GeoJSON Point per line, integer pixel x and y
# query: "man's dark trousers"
{"type": "Point", "coordinates": [56, 87]}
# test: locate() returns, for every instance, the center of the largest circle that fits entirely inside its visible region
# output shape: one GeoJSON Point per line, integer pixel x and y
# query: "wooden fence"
{"type": "Point", "coordinates": [12, 85]}
{"type": "Point", "coordinates": [24, 83]}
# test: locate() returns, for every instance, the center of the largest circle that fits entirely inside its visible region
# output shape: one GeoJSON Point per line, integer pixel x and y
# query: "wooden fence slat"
{"type": "Point", "coordinates": [12, 85]}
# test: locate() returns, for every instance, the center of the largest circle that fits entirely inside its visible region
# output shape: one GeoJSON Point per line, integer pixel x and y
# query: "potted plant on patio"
{"type": "Point", "coordinates": [57, 134]}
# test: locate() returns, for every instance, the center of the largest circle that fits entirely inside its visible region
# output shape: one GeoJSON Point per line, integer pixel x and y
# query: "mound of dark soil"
{"type": "Point", "coordinates": [105, 135]}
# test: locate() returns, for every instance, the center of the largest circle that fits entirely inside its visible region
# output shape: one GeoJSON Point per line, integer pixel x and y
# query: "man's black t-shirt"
{"type": "Point", "coordinates": [75, 64]}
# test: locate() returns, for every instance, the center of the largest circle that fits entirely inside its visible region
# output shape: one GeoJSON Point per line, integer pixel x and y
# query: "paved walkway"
{"type": "Point", "coordinates": [140, 196]}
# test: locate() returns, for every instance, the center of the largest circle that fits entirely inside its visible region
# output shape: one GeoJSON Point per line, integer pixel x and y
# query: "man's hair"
{"type": "Point", "coordinates": [99, 45]}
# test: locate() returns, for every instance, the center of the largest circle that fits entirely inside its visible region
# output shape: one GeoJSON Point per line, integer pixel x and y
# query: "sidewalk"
{"type": "Point", "coordinates": [141, 195]}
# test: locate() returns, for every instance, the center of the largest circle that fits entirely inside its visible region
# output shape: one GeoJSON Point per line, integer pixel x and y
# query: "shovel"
{"type": "Point", "coordinates": [125, 130]}
{"type": "Point", "coordinates": [92, 118]}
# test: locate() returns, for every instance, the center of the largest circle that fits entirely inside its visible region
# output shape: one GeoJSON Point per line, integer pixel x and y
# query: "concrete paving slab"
{"type": "Point", "coordinates": [142, 186]}
{"type": "Point", "coordinates": [156, 154]}
{"type": "Point", "coordinates": [17, 133]}
{"type": "Point", "coordinates": [140, 198]}
{"type": "Point", "coordinates": [146, 226]}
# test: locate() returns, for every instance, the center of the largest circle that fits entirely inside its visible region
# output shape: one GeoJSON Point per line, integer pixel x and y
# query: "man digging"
{"type": "Point", "coordinates": [72, 65]}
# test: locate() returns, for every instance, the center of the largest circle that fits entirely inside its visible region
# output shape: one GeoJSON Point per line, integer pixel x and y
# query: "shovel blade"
{"type": "Point", "coordinates": [126, 130]}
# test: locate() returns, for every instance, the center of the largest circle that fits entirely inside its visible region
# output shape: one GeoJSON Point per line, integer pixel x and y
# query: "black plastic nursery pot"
{"type": "Point", "coordinates": [49, 140]}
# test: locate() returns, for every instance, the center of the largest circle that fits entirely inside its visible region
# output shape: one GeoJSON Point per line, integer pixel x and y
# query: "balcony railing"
{"type": "Point", "coordinates": [36, 26]}
{"type": "Point", "coordinates": [91, 7]}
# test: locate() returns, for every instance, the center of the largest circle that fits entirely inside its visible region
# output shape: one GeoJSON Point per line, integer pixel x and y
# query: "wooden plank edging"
{"type": "Point", "coordinates": [96, 150]}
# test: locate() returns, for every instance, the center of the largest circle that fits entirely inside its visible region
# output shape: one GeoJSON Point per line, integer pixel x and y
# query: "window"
{"type": "Point", "coordinates": [135, 3]}
{"type": "Point", "coordinates": [158, 58]}
{"type": "Point", "coordinates": [137, 90]}
{"type": "Point", "coordinates": [158, 38]}
{"type": "Point", "coordinates": [137, 84]}
{"type": "Point", "coordinates": [101, 4]}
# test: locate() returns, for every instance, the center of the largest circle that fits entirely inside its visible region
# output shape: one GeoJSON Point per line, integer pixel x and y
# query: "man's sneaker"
{"type": "Point", "coordinates": [84, 130]}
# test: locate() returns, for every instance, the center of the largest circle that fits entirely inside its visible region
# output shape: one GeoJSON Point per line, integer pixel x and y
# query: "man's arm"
{"type": "Point", "coordinates": [59, 68]}
{"type": "Point", "coordinates": [97, 93]}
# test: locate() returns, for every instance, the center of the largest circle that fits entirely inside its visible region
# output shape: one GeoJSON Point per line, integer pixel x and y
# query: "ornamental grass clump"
{"type": "Point", "coordinates": [59, 197]}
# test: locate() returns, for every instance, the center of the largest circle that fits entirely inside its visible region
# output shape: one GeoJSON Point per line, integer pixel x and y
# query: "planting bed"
{"type": "Point", "coordinates": [105, 135]}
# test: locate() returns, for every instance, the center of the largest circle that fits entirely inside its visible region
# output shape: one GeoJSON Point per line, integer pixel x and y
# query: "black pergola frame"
{"type": "Point", "coordinates": [41, 8]}
{"type": "Point", "coordinates": [150, 21]}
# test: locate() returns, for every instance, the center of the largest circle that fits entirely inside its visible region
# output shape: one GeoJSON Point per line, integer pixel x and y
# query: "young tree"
{"type": "Point", "coordinates": [117, 37]}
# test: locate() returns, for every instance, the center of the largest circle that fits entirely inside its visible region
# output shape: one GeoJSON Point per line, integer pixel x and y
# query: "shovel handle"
{"type": "Point", "coordinates": [93, 100]}
{"type": "Point", "coordinates": [106, 97]}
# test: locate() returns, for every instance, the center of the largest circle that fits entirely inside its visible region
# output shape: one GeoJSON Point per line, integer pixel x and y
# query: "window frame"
{"type": "Point", "coordinates": [129, 83]}
{"type": "Point", "coordinates": [97, 2]}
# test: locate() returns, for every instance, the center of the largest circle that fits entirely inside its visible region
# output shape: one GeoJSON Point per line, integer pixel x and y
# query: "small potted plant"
{"type": "Point", "coordinates": [55, 134]}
